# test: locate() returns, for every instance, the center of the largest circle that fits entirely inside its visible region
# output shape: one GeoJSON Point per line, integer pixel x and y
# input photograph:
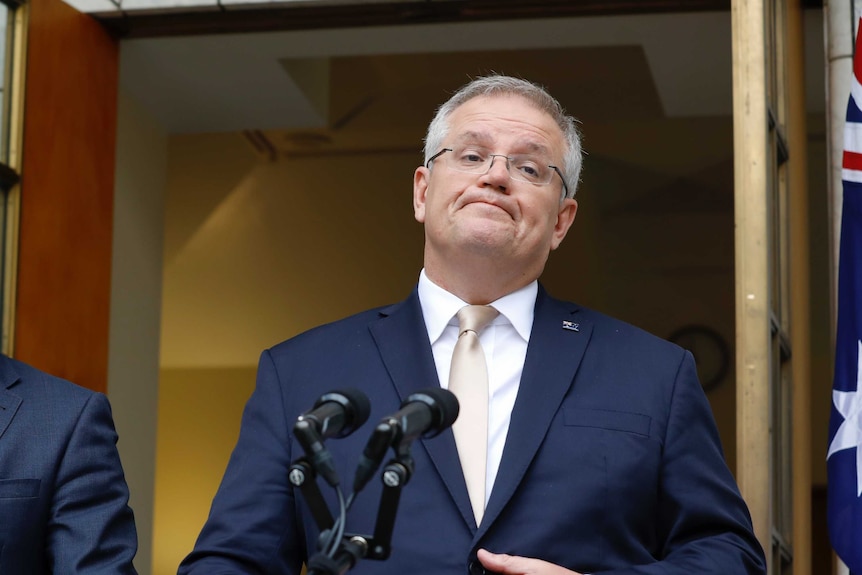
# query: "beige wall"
{"type": "Point", "coordinates": [199, 415]}
{"type": "Point", "coordinates": [285, 246]}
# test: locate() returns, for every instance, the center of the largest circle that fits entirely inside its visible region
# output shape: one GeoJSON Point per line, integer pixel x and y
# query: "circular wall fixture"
{"type": "Point", "coordinates": [710, 350]}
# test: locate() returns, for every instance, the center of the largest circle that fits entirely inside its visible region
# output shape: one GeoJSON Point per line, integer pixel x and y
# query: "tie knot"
{"type": "Point", "coordinates": [475, 317]}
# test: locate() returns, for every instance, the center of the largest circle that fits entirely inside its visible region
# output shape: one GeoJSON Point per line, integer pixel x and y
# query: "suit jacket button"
{"type": "Point", "coordinates": [475, 568]}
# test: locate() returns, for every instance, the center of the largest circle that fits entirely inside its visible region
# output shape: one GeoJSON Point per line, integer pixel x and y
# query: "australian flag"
{"type": "Point", "coordinates": [844, 459]}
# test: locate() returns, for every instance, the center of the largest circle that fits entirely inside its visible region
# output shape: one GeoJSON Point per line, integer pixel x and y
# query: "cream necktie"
{"type": "Point", "coordinates": [468, 380]}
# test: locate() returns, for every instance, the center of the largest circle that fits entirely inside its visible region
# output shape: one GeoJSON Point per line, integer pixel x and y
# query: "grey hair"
{"type": "Point", "coordinates": [499, 85]}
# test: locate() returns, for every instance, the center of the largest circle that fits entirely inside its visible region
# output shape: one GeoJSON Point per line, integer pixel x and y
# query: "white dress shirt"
{"type": "Point", "coordinates": [504, 342]}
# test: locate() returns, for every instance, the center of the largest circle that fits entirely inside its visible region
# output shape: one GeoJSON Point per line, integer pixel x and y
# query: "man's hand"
{"type": "Point", "coordinates": [514, 565]}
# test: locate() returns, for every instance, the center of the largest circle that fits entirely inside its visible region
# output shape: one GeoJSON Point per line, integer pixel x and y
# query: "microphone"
{"type": "Point", "coordinates": [425, 413]}
{"type": "Point", "coordinates": [335, 414]}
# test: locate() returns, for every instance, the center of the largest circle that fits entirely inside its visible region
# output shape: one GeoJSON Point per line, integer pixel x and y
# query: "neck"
{"type": "Point", "coordinates": [479, 281]}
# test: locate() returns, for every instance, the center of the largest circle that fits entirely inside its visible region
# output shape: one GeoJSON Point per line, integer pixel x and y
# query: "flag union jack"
{"type": "Point", "coordinates": [844, 458]}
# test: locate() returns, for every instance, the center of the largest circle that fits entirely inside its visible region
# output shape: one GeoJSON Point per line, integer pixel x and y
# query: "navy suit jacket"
{"type": "Point", "coordinates": [612, 464]}
{"type": "Point", "coordinates": [63, 497]}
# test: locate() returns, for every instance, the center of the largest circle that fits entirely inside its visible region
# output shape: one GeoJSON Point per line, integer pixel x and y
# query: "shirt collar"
{"type": "Point", "coordinates": [439, 307]}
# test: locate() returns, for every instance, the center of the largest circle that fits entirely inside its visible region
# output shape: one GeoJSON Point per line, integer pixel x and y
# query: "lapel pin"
{"type": "Point", "coordinates": [571, 326]}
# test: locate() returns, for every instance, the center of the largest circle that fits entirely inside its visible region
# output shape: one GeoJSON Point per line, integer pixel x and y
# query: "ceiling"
{"type": "Point", "coordinates": [681, 62]}
{"type": "Point", "coordinates": [341, 91]}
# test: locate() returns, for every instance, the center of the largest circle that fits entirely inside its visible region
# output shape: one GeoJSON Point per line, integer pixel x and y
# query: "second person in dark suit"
{"type": "Point", "coordinates": [63, 496]}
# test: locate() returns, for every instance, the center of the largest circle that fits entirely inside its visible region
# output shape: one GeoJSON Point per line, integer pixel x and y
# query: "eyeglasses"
{"type": "Point", "coordinates": [524, 168]}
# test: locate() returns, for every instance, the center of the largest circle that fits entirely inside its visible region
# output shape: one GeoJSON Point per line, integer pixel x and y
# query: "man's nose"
{"type": "Point", "coordinates": [498, 172]}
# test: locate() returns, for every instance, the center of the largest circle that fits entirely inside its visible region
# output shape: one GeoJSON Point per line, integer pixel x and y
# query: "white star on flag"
{"type": "Point", "coordinates": [849, 434]}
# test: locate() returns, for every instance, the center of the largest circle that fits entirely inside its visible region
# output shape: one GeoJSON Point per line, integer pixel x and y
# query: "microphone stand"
{"type": "Point", "coordinates": [396, 474]}
{"type": "Point", "coordinates": [353, 547]}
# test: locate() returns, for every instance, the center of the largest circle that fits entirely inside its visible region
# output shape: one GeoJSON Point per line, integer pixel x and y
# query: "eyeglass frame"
{"type": "Point", "coordinates": [508, 160]}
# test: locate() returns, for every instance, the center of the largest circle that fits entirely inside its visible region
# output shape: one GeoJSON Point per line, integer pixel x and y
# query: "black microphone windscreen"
{"type": "Point", "coordinates": [444, 407]}
{"type": "Point", "coordinates": [356, 406]}
{"type": "Point", "coordinates": [361, 405]}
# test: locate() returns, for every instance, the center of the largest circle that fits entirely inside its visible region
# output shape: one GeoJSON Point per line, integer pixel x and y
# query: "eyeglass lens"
{"type": "Point", "coordinates": [521, 167]}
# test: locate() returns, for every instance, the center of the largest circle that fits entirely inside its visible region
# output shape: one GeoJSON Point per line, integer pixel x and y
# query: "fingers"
{"type": "Point", "coordinates": [515, 565]}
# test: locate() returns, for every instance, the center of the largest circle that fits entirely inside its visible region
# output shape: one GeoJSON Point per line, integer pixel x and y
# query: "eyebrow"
{"type": "Point", "coordinates": [471, 137]}
{"type": "Point", "coordinates": [484, 138]}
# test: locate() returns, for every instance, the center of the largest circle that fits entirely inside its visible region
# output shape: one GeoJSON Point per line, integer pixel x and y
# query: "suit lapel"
{"type": "Point", "coordinates": [9, 402]}
{"type": "Point", "coordinates": [403, 343]}
{"type": "Point", "coordinates": [557, 343]}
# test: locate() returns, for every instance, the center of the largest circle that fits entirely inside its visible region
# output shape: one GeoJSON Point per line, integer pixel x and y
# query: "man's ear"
{"type": "Point", "coordinates": [420, 188]}
{"type": "Point", "coordinates": [565, 217]}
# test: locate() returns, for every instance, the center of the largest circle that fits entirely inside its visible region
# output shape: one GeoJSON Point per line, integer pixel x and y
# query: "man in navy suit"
{"type": "Point", "coordinates": [602, 453]}
{"type": "Point", "coordinates": [63, 497]}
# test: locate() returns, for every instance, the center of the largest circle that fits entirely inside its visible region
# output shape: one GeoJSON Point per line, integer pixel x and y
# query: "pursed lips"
{"type": "Point", "coordinates": [486, 201]}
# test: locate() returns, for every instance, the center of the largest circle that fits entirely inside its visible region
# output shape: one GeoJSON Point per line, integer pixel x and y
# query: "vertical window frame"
{"type": "Point", "coordinates": [11, 132]}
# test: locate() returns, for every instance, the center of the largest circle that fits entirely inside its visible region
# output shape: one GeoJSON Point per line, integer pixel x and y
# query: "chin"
{"type": "Point", "coordinates": [487, 244]}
